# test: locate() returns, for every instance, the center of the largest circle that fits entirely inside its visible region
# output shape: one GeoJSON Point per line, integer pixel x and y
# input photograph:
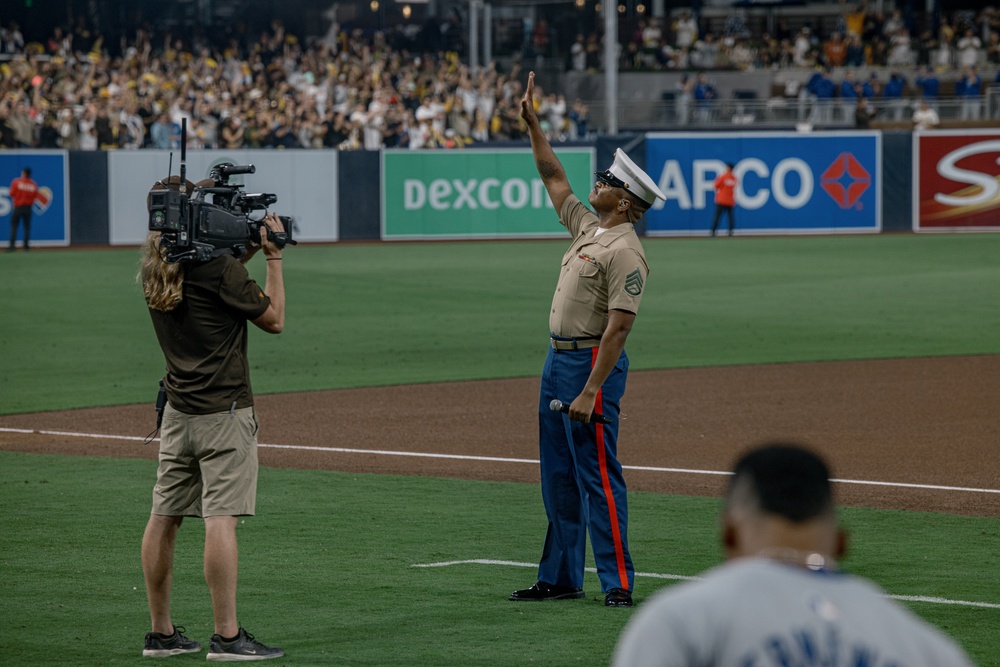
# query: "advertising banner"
{"type": "Point", "coordinates": [474, 193]}
{"type": "Point", "coordinates": [955, 180]}
{"type": "Point", "coordinates": [305, 183]}
{"type": "Point", "coordinates": [789, 183]}
{"type": "Point", "coordinates": [50, 212]}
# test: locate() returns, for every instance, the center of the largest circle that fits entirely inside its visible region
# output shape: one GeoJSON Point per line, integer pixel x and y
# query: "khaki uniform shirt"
{"type": "Point", "coordinates": [599, 273]}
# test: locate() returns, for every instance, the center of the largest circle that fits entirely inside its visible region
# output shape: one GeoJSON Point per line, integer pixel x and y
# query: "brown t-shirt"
{"type": "Point", "coordinates": [204, 339]}
{"type": "Point", "coordinates": [599, 273]}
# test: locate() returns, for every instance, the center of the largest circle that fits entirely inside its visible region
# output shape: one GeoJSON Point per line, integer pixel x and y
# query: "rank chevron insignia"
{"type": "Point", "coordinates": [633, 283]}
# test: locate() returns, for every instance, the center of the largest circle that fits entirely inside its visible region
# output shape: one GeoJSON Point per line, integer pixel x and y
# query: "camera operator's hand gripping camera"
{"type": "Point", "coordinates": [212, 220]}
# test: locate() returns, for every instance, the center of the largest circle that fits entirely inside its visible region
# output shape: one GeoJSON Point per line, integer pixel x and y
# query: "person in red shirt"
{"type": "Point", "coordinates": [835, 50]}
{"type": "Point", "coordinates": [23, 193]}
{"type": "Point", "coordinates": [725, 198]}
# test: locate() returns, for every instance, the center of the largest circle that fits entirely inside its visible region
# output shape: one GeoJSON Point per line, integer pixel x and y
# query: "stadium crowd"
{"type": "Point", "coordinates": [357, 92]}
{"type": "Point", "coordinates": [366, 90]}
{"type": "Point", "coordinates": [857, 37]}
{"type": "Point", "coordinates": [922, 59]}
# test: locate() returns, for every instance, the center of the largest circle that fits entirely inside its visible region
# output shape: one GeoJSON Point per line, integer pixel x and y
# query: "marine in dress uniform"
{"type": "Point", "coordinates": [600, 286]}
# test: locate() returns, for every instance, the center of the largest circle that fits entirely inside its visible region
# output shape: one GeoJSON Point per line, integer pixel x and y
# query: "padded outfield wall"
{"type": "Point", "coordinates": [792, 183]}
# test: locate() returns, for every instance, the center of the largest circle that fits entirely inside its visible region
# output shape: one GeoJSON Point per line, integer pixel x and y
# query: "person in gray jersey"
{"type": "Point", "coordinates": [780, 599]}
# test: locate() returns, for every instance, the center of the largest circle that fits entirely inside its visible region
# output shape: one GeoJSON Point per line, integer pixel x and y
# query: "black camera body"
{"type": "Point", "coordinates": [212, 220]}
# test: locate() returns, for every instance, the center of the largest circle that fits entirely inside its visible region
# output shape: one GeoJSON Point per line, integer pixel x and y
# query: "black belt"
{"type": "Point", "coordinates": [560, 343]}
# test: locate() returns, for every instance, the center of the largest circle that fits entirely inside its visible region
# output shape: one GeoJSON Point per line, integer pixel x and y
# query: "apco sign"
{"type": "Point", "coordinates": [50, 212]}
{"type": "Point", "coordinates": [955, 176]}
{"type": "Point", "coordinates": [788, 183]}
{"type": "Point", "coordinates": [473, 193]}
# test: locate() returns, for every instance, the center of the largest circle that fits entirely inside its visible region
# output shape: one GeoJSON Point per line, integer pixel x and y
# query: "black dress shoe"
{"type": "Point", "coordinates": [618, 597]}
{"type": "Point", "coordinates": [543, 591]}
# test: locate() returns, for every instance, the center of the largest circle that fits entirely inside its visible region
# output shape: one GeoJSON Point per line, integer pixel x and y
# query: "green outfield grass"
{"type": "Point", "coordinates": [326, 568]}
{"type": "Point", "coordinates": [76, 333]}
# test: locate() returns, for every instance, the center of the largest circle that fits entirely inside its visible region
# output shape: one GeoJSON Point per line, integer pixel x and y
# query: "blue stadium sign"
{"type": "Point", "coordinates": [789, 182]}
{"type": "Point", "coordinates": [50, 212]}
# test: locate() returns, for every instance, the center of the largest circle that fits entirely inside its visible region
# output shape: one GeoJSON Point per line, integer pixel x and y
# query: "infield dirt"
{"type": "Point", "coordinates": [924, 422]}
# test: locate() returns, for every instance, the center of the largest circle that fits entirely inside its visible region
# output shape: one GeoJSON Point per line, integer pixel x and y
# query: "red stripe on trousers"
{"type": "Point", "coordinates": [602, 460]}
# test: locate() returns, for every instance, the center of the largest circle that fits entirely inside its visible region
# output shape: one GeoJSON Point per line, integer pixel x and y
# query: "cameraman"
{"type": "Point", "coordinates": [208, 444]}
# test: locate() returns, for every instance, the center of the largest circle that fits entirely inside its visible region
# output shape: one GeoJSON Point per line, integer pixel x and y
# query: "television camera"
{"type": "Point", "coordinates": [212, 220]}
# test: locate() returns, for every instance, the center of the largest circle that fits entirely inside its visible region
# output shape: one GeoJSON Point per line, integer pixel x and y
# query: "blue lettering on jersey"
{"type": "Point", "coordinates": [813, 647]}
{"type": "Point", "coordinates": [779, 653]}
{"type": "Point", "coordinates": [864, 657]}
{"type": "Point", "coordinates": [806, 643]}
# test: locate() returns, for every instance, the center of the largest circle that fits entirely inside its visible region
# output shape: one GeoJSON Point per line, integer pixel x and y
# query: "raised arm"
{"type": "Point", "coordinates": [548, 165]}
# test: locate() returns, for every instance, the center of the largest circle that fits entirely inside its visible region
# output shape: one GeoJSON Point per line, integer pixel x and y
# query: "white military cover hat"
{"type": "Point", "coordinates": [623, 173]}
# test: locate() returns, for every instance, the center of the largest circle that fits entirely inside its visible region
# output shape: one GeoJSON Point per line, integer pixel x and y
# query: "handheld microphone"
{"type": "Point", "coordinates": [557, 406]}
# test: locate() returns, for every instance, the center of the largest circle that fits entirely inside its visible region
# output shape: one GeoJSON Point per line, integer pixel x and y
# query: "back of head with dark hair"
{"type": "Point", "coordinates": [27, 171]}
{"type": "Point", "coordinates": [787, 480]}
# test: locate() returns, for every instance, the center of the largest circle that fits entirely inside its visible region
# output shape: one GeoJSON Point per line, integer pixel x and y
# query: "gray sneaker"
{"type": "Point", "coordinates": [159, 645]}
{"type": "Point", "coordinates": [244, 647]}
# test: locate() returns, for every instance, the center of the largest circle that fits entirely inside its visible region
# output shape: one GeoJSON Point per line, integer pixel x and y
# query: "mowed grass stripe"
{"type": "Point", "coordinates": [326, 567]}
{"type": "Point", "coordinates": [76, 333]}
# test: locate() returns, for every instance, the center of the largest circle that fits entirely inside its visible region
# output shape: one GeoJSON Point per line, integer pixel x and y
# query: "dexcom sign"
{"type": "Point", "coordinates": [789, 182]}
{"type": "Point", "coordinates": [472, 193]}
{"type": "Point", "coordinates": [442, 194]}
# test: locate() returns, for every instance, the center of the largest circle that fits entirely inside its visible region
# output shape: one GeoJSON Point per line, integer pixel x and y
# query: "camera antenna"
{"type": "Point", "coordinates": [184, 130]}
{"type": "Point", "coordinates": [170, 167]}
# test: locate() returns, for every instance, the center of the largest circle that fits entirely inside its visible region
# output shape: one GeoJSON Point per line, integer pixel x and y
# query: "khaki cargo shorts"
{"type": "Point", "coordinates": [208, 464]}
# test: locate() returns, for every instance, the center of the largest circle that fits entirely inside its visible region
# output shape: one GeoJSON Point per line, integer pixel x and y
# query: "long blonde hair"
{"type": "Point", "coordinates": [162, 283]}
